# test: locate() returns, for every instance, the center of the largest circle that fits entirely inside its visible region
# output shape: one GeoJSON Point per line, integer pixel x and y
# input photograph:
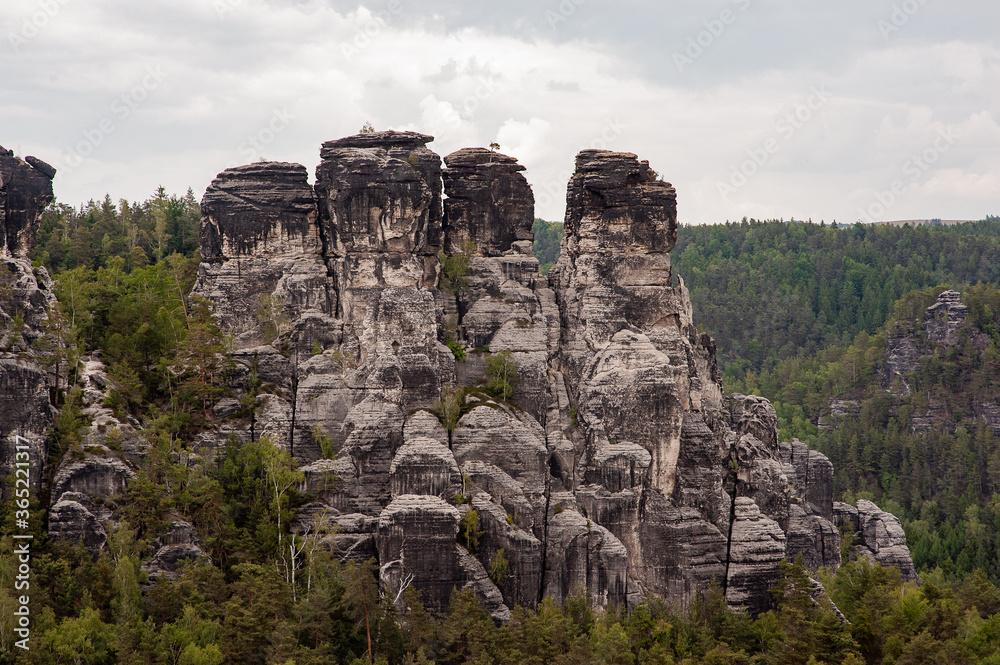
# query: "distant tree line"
{"type": "Point", "coordinates": [140, 233]}
{"type": "Point", "coordinates": [770, 290]}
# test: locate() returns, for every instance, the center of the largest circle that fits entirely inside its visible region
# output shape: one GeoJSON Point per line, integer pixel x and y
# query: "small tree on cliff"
{"type": "Point", "coordinates": [200, 362]}
{"type": "Point", "coordinates": [455, 268]}
{"type": "Point", "coordinates": [501, 375]}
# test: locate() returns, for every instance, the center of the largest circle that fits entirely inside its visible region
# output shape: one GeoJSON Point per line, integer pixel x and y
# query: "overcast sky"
{"type": "Point", "coordinates": [846, 109]}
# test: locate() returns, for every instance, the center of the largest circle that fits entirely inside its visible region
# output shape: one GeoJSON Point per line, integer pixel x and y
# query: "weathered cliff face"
{"type": "Point", "coordinates": [262, 254]}
{"type": "Point", "coordinates": [26, 297]}
{"type": "Point", "coordinates": [25, 190]}
{"type": "Point", "coordinates": [489, 202]}
{"type": "Point", "coordinates": [878, 535]}
{"type": "Point", "coordinates": [617, 468]}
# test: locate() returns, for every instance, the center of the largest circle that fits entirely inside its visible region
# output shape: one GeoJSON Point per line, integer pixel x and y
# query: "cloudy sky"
{"type": "Point", "coordinates": [871, 109]}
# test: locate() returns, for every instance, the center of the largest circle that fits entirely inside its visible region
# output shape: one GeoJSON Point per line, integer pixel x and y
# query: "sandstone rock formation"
{"type": "Point", "coordinates": [613, 466]}
{"type": "Point", "coordinates": [616, 468]}
{"type": "Point", "coordinates": [489, 202]}
{"type": "Point", "coordinates": [25, 190]}
{"type": "Point", "coordinates": [906, 346]}
{"type": "Point", "coordinates": [878, 535]}
{"type": "Point", "coordinates": [26, 297]}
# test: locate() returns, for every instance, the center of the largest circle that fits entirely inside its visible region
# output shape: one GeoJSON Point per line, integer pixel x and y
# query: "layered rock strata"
{"type": "Point", "coordinates": [489, 202]}
{"type": "Point", "coordinates": [878, 535]}
{"type": "Point", "coordinates": [615, 468]}
{"type": "Point", "coordinates": [26, 298]}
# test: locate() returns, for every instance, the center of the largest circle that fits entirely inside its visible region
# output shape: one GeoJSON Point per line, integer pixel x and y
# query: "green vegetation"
{"type": "Point", "coordinates": [455, 268]}
{"type": "Point", "coordinates": [548, 236]}
{"type": "Point", "coordinates": [244, 609]}
{"type": "Point", "coordinates": [501, 376]}
{"type": "Point", "coordinates": [499, 567]}
{"type": "Point", "coordinates": [469, 532]}
{"type": "Point", "coordinates": [138, 233]}
{"type": "Point", "coordinates": [767, 291]}
{"type": "Point", "coordinates": [457, 349]}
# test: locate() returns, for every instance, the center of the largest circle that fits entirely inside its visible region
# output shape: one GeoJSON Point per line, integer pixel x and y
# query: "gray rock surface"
{"type": "Point", "coordinates": [26, 298]}
{"type": "Point", "coordinates": [756, 548]}
{"type": "Point", "coordinates": [882, 539]}
{"type": "Point", "coordinates": [25, 190]}
{"type": "Point", "coordinates": [489, 202]}
{"type": "Point", "coordinates": [618, 468]}
{"type": "Point", "coordinates": [943, 318]}
{"type": "Point", "coordinates": [811, 476]}
{"type": "Point", "coordinates": [261, 248]}
{"type": "Point", "coordinates": [417, 545]}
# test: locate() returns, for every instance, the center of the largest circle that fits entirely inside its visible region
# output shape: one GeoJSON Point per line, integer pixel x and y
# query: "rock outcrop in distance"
{"type": "Point", "coordinates": [369, 308]}
{"type": "Point", "coordinates": [617, 468]}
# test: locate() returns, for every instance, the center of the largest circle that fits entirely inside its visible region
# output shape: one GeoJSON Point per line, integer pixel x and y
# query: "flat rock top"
{"type": "Point", "coordinates": [259, 185]}
{"type": "Point", "coordinates": [387, 139]}
{"type": "Point", "coordinates": [604, 169]}
{"type": "Point", "coordinates": [481, 157]}
{"type": "Point", "coordinates": [265, 170]}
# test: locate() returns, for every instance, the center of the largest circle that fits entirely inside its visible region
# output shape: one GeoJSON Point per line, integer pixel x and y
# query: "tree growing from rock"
{"type": "Point", "coordinates": [501, 375]}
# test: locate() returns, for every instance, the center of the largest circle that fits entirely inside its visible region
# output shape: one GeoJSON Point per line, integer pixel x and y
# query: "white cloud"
{"type": "Point", "coordinates": [473, 73]}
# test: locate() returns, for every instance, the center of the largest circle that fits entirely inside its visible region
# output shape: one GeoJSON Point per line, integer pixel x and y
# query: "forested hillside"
{"type": "Point", "coordinates": [928, 450]}
{"type": "Point", "coordinates": [770, 290]}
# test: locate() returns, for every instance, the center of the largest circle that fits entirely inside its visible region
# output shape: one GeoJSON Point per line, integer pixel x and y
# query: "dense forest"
{"type": "Point", "coordinates": [122, 273]}
{"type": "Point", "coordinates": [772, 290]}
